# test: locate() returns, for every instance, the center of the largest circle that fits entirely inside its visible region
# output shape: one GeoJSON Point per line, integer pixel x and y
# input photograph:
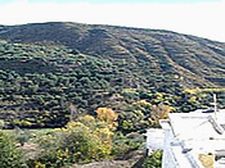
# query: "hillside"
{"type": "Point", "coordinates": [198, 60]}
{"type": "Point", "coordinates": [49, 71]}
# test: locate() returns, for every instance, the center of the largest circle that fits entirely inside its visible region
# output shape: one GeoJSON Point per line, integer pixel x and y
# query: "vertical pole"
{"type": "Point", "coordinates": [215, 104]}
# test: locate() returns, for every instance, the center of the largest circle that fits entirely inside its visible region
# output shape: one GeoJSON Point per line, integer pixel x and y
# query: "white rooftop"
{"type": "Point", "coordinates": [197, 125]}
{"type": "Point", "coordinates": [187, 135]}
{"type": "Point", "coordinates": [196, 133]}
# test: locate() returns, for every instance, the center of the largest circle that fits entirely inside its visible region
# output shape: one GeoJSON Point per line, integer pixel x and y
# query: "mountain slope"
{"type": "Point", "coordinates": [199, 61]}
{"type": "Point", "coordinates": [51, 72]}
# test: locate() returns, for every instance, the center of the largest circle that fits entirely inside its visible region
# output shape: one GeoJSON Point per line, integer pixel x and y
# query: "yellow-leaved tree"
{"type": "Point", "coordinates": [108, 116]}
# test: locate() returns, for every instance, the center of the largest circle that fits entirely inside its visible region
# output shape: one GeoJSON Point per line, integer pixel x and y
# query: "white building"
{"type": "Point", "coordinates": [191, 140]}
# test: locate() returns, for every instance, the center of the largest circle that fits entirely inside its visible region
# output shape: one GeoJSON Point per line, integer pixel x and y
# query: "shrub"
{"type": "Point", "coordinates": [154, 160]}
{"type": "Point", "coordinates": [50, 156]}
{"type": "Point", "coordinates": [10, 155]}
{"type": "Point", "coordinates": [122, 144]}
{"type": "Point", "coordinates": [88, 139]}
{"type": "Point", "coordinates": [81, 143]}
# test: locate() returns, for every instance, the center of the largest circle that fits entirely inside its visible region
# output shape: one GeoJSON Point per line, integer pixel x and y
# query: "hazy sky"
{"type": "Point", "coordinates": [203, 18]}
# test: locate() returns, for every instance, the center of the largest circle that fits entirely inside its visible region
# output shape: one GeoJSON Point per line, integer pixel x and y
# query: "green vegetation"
{"type": "Point", "coordinates": [44, 86]}
{"type": "Point", "coordinates": [154, 160]}
{"type": "Point", "coordinates": [193, 60]}
{"type": "Point", "coordinates": [45, 81]}
{"type": "Point", "coordinates": [67, 81]}
{"type": "Point", "coordinates": [10, 155]}
{"type": "Point", "coordinates": [84, 140]}
{"type": "Point", "coordinates": [48, 84]}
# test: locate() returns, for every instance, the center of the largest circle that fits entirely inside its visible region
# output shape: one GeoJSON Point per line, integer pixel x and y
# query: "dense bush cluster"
{"type": "Point", "coordinates": [45, 86]}
{"type": "Point", "coordinates": [84, 140]}
{"type": "Point", "coordinates": [38, 84]}
{"type": "Point", "coordinates": [46, 80]}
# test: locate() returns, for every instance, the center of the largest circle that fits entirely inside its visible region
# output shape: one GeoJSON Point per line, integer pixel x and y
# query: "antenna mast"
{"type": "Point", "coordinates": [215, 104]}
